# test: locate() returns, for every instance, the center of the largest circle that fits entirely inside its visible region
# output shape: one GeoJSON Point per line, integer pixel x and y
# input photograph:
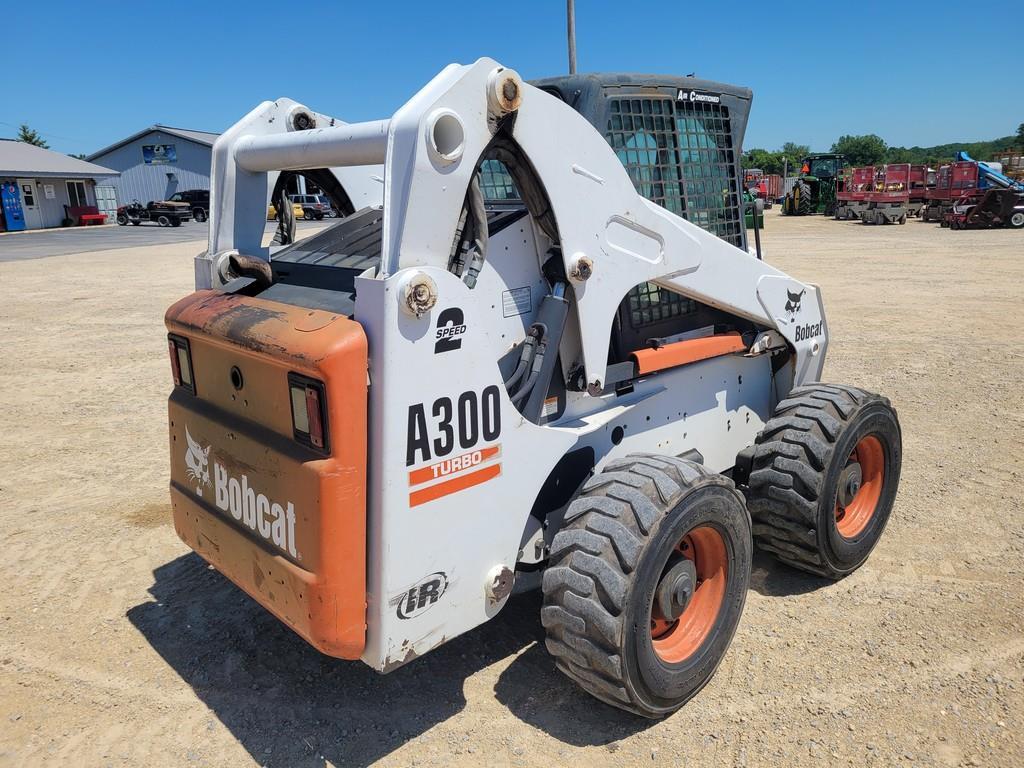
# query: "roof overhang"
{"type": "Point", "coordinates": [24, 174]}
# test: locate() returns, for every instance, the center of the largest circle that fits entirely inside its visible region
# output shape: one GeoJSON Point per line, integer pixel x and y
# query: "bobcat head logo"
{"type": "Point", "coordinates": [793, 303]}
{"type": "Point", "coordinates": [197, 461]}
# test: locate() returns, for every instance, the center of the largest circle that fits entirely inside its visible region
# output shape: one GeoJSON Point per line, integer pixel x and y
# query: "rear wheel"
{"type": "Point", "coordinates": [804, 202]}
{"type": "Point", "coordinates": [163, 221]}
{"type": "Point", "coordinates": [308, 214]}
{"type": "Point", "coordinates": [122, 220]}
{"type": "Point", "coordinates": [200, 215]}
{"type": "Point", "coordinates": [1016, 220]}
{"type": "Point", "coordinates": [647, 581]}
{"type": "Point", "coordinates": [824, 476]}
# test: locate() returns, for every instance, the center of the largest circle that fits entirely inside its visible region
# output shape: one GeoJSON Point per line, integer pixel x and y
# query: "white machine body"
{"type": "Point", "coordinates": [454, 469]}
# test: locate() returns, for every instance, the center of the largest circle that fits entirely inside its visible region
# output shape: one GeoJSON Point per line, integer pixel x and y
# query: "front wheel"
{"type": "Point", "coordinates": [1016, 220]}
{"type": "Point", "coordinates": [199, 215]}
{"type": "Point", "coordinates": [646, 582]}
{"type": "Point", "coordinates": [824, 476]}
{"type": "Point", "coordinates": [163, 221]}
{"type": "Point", "coordinates": [122, 220]}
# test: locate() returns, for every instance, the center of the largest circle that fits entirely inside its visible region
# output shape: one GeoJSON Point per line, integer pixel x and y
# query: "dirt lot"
{"type": "Point", "coordinates": [118, 647]}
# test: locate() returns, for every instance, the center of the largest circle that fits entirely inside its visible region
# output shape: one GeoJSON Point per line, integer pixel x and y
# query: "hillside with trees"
{"type": "Point", "coordinates": [872, 150]}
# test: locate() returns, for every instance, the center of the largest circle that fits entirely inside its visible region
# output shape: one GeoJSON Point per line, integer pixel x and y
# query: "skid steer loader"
{"type": "Point", "coordinates": [514, 370]}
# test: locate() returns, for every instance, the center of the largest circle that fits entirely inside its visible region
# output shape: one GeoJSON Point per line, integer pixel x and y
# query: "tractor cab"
{"type": "Point", "coordinates": [823, 166]}
{"type": "Point", "coordinates": [815, 187]}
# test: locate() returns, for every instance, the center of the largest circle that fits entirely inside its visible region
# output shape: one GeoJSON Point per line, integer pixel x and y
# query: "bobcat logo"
{"type": "Point", "coordinates": [197, 459]}
{"type": "Point", "coordinates": [793, 304]}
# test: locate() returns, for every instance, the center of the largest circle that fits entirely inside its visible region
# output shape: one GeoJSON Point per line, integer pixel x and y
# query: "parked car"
{"type": "Point", "coordinates": [329, 210]}
{"type": "Point", "coordinates": [162, 212]}
{"type": "Point", "coordinates": [198, 200]}
{"type": "Point", "coordinates": [296, 211]}
{"type": "Point", "coordinates": [313, 206]}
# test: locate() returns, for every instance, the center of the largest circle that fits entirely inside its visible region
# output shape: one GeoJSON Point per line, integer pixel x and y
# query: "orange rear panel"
{"type": "Point", "coordinates": [284, 522]}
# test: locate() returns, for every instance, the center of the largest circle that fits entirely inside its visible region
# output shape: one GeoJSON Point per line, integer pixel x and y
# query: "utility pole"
{"type": "Point", "coordinates": [570, 12]}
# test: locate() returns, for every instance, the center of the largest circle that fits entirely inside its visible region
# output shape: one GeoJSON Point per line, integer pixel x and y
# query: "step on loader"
{"type": "Point", "coordinates": [513, 364]}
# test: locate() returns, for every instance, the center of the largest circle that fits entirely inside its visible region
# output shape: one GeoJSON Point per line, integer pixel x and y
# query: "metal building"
{"type": "Point", "coordinates": [41, 188]}
{"type": "Point", "coordinates": [157, 162]}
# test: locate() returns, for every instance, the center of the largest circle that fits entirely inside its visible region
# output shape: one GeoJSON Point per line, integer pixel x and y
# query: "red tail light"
{"type": "Point", "coordinates": [181, 362]}
{"type": "Point", "coordinates": [175, 364]}
{"type": "Point", "coordinates": [308, 411]}
{"type": "Point", "coordinates": [314, 417]}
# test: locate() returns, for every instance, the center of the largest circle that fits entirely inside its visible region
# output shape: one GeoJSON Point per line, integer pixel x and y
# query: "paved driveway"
{"type": "Point", "coordinates": [58, 242]}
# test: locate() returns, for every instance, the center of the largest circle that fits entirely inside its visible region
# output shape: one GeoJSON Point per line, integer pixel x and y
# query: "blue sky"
{"type": "Point", "coordinates": [88, 74]}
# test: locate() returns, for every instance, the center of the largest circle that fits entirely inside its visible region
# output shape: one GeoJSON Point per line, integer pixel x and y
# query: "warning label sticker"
{"type": "Point", "coordinates": [550, 408]}
{"type": "Point", "coordinates": [516, 302]}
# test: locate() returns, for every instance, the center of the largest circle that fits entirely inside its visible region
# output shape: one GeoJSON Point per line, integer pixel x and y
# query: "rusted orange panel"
{"type": "Point", "coordinates": [688, 351]}
{"type": "Point", "coordinates": [310, 570]}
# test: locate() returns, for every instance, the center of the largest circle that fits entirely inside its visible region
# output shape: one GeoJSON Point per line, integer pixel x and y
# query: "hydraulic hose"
{"type": "Point", "coordinates": [538, 361]}
{"type": "Point", "coordinates": [524, 363]}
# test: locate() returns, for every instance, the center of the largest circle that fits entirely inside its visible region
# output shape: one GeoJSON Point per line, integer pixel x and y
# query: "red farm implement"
{"type": "Point", "coordinates": [889, 205]}
{"type": "Point", "coordinates": [853, 186]}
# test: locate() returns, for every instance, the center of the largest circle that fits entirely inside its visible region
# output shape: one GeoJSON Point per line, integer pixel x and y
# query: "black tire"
{"type": "Point", "coordinates": [620, 536]}
{"type": "Point", "coordinates": [122, 220]}
{"type": "Point", "coordinates": [803, 456]}
{"type": "Point", "coordinates": [307, 214]}
{"type": "Point", "coordinates": [200, 215]}
{"type": "Point", "coordinates": [804, 206]}
{"type": "Point", "coordinates": [903, 219]}
{"type": "Point", "coordinates": [1016, 220]}
{"type": "Point", "coordinates": [163, 221]}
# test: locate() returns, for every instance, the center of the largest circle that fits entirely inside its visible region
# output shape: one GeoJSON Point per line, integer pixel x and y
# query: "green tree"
{"type": "Point", "coordinates": [77, 155]}
{"type": "Point", "coordinates": [32, 137]}
{"type": "Point", "coordinates": [901, 155]}
{"type": "Point", "coordinates": [1020, 134]}
{"type": "Point", "coordinates": [795, 152]}
{"type": "Point", "coordinates": [769, 162]}
{"type": "Point", "coordinates": [861, 150]}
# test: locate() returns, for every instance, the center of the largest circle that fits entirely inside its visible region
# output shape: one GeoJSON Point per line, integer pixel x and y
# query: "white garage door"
{"type": "Point", "coordinates": [106, 201]}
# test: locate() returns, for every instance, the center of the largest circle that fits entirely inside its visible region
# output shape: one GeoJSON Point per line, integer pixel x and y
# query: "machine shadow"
{"type": "Point", "coordinates": [538, 694]}
{"type": "Point", "coordinates": [562, 710]}
{"type": "Point", "coordinates": [771, 578]}
{"type": "Point", "coordinates": [289, 705]}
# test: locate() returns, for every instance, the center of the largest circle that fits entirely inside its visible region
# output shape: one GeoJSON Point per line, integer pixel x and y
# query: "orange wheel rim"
{"type": "Point", "coordinates": [678, 640]}
{"type": "Point", "coordinates": [853, 517]}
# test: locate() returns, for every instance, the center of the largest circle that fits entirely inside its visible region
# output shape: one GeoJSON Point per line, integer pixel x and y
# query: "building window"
{"type": "Point", "coordinates": [76, 194]}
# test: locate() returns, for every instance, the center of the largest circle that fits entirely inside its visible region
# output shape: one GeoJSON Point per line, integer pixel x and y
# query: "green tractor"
{"type": "Point", "coordinates": [815, 188]}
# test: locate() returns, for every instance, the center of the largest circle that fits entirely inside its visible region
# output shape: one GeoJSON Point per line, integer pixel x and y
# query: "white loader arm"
{"type": "Point", "coordinates": [239, 198]}
{"type": "Point", "coordinates": [611, 237]}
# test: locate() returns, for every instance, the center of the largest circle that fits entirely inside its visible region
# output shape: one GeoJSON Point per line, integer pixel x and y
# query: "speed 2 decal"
{"type": "Point", "coordinates": [470, 423]}
{"type": "Point", "coordinates": [451, 324]}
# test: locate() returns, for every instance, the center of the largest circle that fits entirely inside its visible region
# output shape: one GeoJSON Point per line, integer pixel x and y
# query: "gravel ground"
{"type": "Point", "coordinates": [119, 647]}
